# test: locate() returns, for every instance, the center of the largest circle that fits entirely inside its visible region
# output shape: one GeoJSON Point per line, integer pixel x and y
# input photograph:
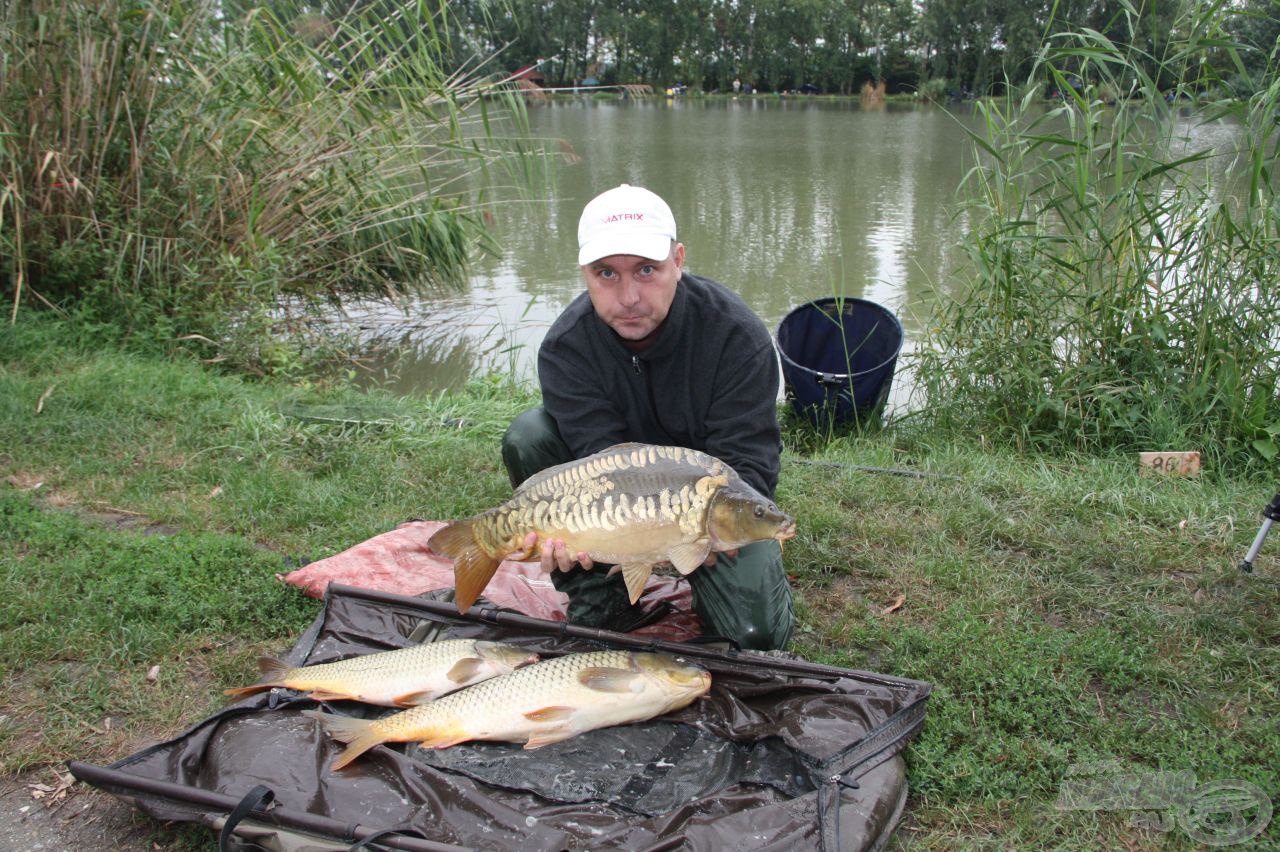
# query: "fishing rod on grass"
{"type": "Point", "coordinates": [1270, 515]}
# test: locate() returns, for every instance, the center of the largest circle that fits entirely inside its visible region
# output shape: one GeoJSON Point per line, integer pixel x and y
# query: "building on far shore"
{"type": "Point", "coordinates": [530, 73]}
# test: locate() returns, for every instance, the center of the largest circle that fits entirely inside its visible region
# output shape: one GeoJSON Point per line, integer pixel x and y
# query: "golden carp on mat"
{"type": "Point", "coordinates": [632, 505]}
{"type": "Point", "coordinates": [544, 703]}
{"type": "Point", "coordinates": [402, 678]}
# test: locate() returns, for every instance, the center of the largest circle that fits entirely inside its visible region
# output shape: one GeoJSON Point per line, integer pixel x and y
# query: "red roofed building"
{"type": "Point", "coordinates": [530, 73]}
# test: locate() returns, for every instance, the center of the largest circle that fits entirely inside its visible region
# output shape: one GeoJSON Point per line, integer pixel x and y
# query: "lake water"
{"type": "Point", "coordinates": [782, 200]}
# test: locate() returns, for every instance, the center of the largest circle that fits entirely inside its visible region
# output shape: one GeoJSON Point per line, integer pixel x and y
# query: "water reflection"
{"type": "Point", "coordinates": [782, 200]}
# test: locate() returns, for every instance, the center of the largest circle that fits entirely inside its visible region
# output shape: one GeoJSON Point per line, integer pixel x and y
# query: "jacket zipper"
{"type": "Point", "coordinates": [653, 402]}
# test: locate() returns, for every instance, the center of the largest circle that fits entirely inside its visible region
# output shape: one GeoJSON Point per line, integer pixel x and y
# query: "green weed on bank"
{"type": "Point", "coordinates": [197, 160]}
{"type": "Point", "coordinates": [1066, 609]}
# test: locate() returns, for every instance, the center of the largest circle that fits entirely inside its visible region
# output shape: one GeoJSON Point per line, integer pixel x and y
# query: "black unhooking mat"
{"type": "Point", "coordinates": [782, 754]}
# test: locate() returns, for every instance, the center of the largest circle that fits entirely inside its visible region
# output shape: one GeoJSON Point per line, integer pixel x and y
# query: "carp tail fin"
{"type": "Point", "coordinates": [360, 735]}
{"type": "Point", "coordinates": [473, 567]}
{"type": "Point", "coordinates": [274, 673]}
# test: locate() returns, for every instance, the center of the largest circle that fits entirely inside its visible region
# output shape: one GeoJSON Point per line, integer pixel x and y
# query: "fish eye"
{"type": "Point", "coordinates": [759, 511]}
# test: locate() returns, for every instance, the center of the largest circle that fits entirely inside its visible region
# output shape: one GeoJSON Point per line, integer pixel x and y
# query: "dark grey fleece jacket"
{"type": "Point", "coordinates": [708, 382]}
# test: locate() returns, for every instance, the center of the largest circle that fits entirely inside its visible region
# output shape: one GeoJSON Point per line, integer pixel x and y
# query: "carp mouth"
{"type": "Point", "coordinates": [786, 531]}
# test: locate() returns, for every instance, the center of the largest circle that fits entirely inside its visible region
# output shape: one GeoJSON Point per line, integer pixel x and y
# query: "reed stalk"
{"type": "Point", "coordinates": [1116, 299]}
{"type": "Point", "coordinates": [169, 161]}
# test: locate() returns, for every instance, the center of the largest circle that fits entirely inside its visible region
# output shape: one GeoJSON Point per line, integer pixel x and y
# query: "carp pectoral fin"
{"type": "Point", "coordinates": [635, 575]}
{"type": "Point", "coordinates": [465, 669]}
{"type": "Point", "coordinates": [603, 679]}
{"type": "Point", "coordinates": [550, 714]}
{"type": "Point", "coordinates": [413, 699]}
{"type": "Point", "coordinates": [688, 557]}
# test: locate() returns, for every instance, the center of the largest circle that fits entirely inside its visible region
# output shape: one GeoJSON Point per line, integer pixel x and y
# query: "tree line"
{"type": "Point", "coordinates": [835, 46]}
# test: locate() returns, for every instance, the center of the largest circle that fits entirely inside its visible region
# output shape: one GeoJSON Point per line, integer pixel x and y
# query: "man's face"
{"type": "Point", "coordinates": [633, 294]}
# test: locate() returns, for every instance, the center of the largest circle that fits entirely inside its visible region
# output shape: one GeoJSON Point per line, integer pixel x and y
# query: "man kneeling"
{"type": "Point", "coordinates": [654, 354]}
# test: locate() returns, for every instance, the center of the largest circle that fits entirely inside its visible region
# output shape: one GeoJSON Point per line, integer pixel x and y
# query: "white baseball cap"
{"type": "Point", "coordinates": [625, 220]}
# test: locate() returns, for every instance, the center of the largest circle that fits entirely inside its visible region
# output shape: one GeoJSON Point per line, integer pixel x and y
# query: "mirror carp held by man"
{"type": "Point", "coordinates": [632, 505]}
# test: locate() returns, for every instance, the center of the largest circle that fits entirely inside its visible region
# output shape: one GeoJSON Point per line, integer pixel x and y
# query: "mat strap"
{"type": "Point", "coordinates": [257, 799]}
{"type": "Point", "coordinates": [367, 843]}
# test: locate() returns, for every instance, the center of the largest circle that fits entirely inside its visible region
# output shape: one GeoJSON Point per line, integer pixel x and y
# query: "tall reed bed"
{"type": "Point", "coordinates": [172, 161]}
{"type": "Point", "coordinates": [1118, 300]}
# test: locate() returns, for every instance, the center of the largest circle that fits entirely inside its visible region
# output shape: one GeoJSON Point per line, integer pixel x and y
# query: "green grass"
{"type": "Point", "coordinates": [1065, 608]}
{"type": "Point", "coordinates": [89, 611]}
{"type": "Point", "coordinates": [202, 450]}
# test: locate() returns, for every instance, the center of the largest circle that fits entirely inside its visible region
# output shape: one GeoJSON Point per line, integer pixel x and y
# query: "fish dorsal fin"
{"type": "Point", "coordinates": [533, 483]}
{"type": "Point", "coordinates": [539, 482]}
{"type": "Point", "coordinates": [605, 679]}
{"type": "Point", "coordinates": [554, 713]}
{"type": "Point", "coordinates": [465, 669]}
{"type": "Point", "coordinates": [687, 557]}
{"type": "Point", "coordinates": [413, 699]}
{"type": "Point", "coordinates": [635, 574]}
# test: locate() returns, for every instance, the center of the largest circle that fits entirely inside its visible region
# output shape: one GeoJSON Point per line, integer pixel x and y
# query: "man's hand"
{"type": "Point", "coordinates": [555, 556]}
{"type": "Point", "coordinates": [711, 557]}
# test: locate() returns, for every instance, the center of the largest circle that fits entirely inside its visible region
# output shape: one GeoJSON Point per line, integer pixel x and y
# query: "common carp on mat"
{"type": "Point", "coordinates": [632, 505]}
{"type": "Point", "coordinates": [544, 703]}
{"type": "Point", "coordinates": [402, 678]}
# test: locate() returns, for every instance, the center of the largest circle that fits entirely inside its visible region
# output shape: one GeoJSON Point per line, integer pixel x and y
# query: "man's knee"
{"type": "Point", "coordinates": [766, 631]}
{"type": "Point", "coordinates": [748, 599]}
{"type": "Point", "coordinates": [532, 443]}
{"type": "Point", "coordinates": [756, 628]}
